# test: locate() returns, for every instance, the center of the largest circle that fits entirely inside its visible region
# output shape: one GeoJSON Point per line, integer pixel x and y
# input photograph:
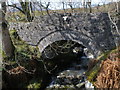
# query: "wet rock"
{"type": "Point", "coordinates": [74, 77]}
{"type": "Point", "coordinates": [80, 84]}
{"type": "Point", "coordinates": [88, 85]}
{"type": "Point", "coordinates": [78, 67]}
{"type": "Point", "coordinates": [75, 81]}
{"type": "Point", "coordinates": [62, 86]}
{"type": "Point", "coordinates": [84, 62]}
{"type": "Point", "coordinates": [56, 85]}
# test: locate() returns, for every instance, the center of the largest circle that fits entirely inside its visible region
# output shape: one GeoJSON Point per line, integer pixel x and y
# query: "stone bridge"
{"type": "Point", "coordinates": [92, 30]}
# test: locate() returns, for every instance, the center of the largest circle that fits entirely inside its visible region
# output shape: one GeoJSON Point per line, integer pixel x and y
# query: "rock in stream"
{"type": "Point", "coordinates": [72, 78]}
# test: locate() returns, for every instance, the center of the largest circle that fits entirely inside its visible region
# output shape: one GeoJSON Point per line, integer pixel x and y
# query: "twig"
{"type": "Point", "coordinates": [113, 23]}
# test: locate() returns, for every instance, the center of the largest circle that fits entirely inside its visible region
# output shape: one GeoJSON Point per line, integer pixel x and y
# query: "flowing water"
{"type": "Point", "coordinates": [72, 77]}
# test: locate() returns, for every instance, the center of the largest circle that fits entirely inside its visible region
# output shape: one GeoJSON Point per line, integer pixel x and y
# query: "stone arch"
{"type": "Point", "coordinates": [70, 35]}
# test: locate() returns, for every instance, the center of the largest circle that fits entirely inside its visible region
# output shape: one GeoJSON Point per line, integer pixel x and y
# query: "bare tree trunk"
{"type": "Point", "coordinates": [118, 11]}
{"type": "Point", "coordinates": [64, 6]}
{"type": "Point", "coordinates": [84, 5]}
{"type": "Point", "coordinates": [115, 19]}
{"type": "Point", "coordinates": [89, 5]}
{"type": "Point", "coordinates": [71, 6]}
{"type": "Point", "coordinates": [8, 46]}
{"type": "Point", "coordinates": [118, 6]}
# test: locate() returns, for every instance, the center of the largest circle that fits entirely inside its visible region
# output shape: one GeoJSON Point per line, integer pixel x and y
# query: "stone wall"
{"type": "Point", "coordinates": [92, 30]}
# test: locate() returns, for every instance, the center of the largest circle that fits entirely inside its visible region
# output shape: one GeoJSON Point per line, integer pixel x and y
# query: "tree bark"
{"type": "Point", "coordinates": [26, 9]}
{"type": "Point", "coordinates": [8, 46]}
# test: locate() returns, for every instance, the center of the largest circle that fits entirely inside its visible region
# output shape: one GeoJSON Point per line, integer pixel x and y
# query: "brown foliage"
{"type": "Point", "coordinates": [17, 70]}
{"type": "Point", "coordinates": [109, 75]}
{"type": "Point", "coordinates": [14, 77]}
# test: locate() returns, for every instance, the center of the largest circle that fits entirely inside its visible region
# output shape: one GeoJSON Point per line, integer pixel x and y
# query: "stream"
{"type": "Point", "coordinates": [72, 77]}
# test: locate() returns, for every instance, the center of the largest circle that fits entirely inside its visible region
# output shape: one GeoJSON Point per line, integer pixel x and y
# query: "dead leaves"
{"type": "Point", "coordinates": [109, 75]}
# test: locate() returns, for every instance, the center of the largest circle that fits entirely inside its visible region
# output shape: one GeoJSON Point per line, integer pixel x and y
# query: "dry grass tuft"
{"type": "Point", "coordinates": [109, 75]}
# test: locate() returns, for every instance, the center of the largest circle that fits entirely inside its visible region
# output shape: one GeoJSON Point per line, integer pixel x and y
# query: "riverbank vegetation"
{"type": "Point", "coordinates": [106, 72]}
{"type": "Point", "coordinates": [23, 70]}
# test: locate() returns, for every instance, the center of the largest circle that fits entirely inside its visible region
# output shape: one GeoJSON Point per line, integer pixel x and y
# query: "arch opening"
{"type": "Point", "coordinates": [74, 36]}
{"type": "Point", "coordinates": [61, 47]}
{"type": "Point", "coordinates": [65, 57]}
{"type": "Point", "coordinates": [63, 53]}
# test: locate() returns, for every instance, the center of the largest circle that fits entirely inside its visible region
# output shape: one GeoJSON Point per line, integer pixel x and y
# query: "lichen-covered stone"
{"type": "Point", "coordinates": [92, 30]}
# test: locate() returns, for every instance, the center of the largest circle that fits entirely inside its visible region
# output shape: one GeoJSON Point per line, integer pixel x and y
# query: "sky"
{"type": "Point", "coordinates": [93, 1]}
{"type": "Point", "coordinates": [58, 6]}
{"type": "Point", "coordinates": [68, 0]}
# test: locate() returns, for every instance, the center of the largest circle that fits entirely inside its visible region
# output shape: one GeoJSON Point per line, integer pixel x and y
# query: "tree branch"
{"type": "Point", "coordinates": [14, 6]}
{"type": "Point", "coordinates": [114, 23]}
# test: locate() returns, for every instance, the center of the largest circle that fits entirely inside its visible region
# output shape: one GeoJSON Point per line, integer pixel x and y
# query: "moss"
{"type": "Point", "coordinates": [104, 55]}
{"type": "Point", "coordinates": [93, 73]}
{"type": "Point", "coordinates": [23, 52]}
{"type": "Point", "coordinates": [22, 47]}
{"type": "Point", "coordinates": [34, 83]}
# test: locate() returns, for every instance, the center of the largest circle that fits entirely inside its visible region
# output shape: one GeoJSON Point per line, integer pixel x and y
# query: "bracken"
{"type": "Point", "coordinates": [109, 75]}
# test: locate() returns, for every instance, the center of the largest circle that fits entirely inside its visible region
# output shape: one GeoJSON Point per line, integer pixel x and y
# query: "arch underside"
{"type": "Point", "coordinates": [73, 36]}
